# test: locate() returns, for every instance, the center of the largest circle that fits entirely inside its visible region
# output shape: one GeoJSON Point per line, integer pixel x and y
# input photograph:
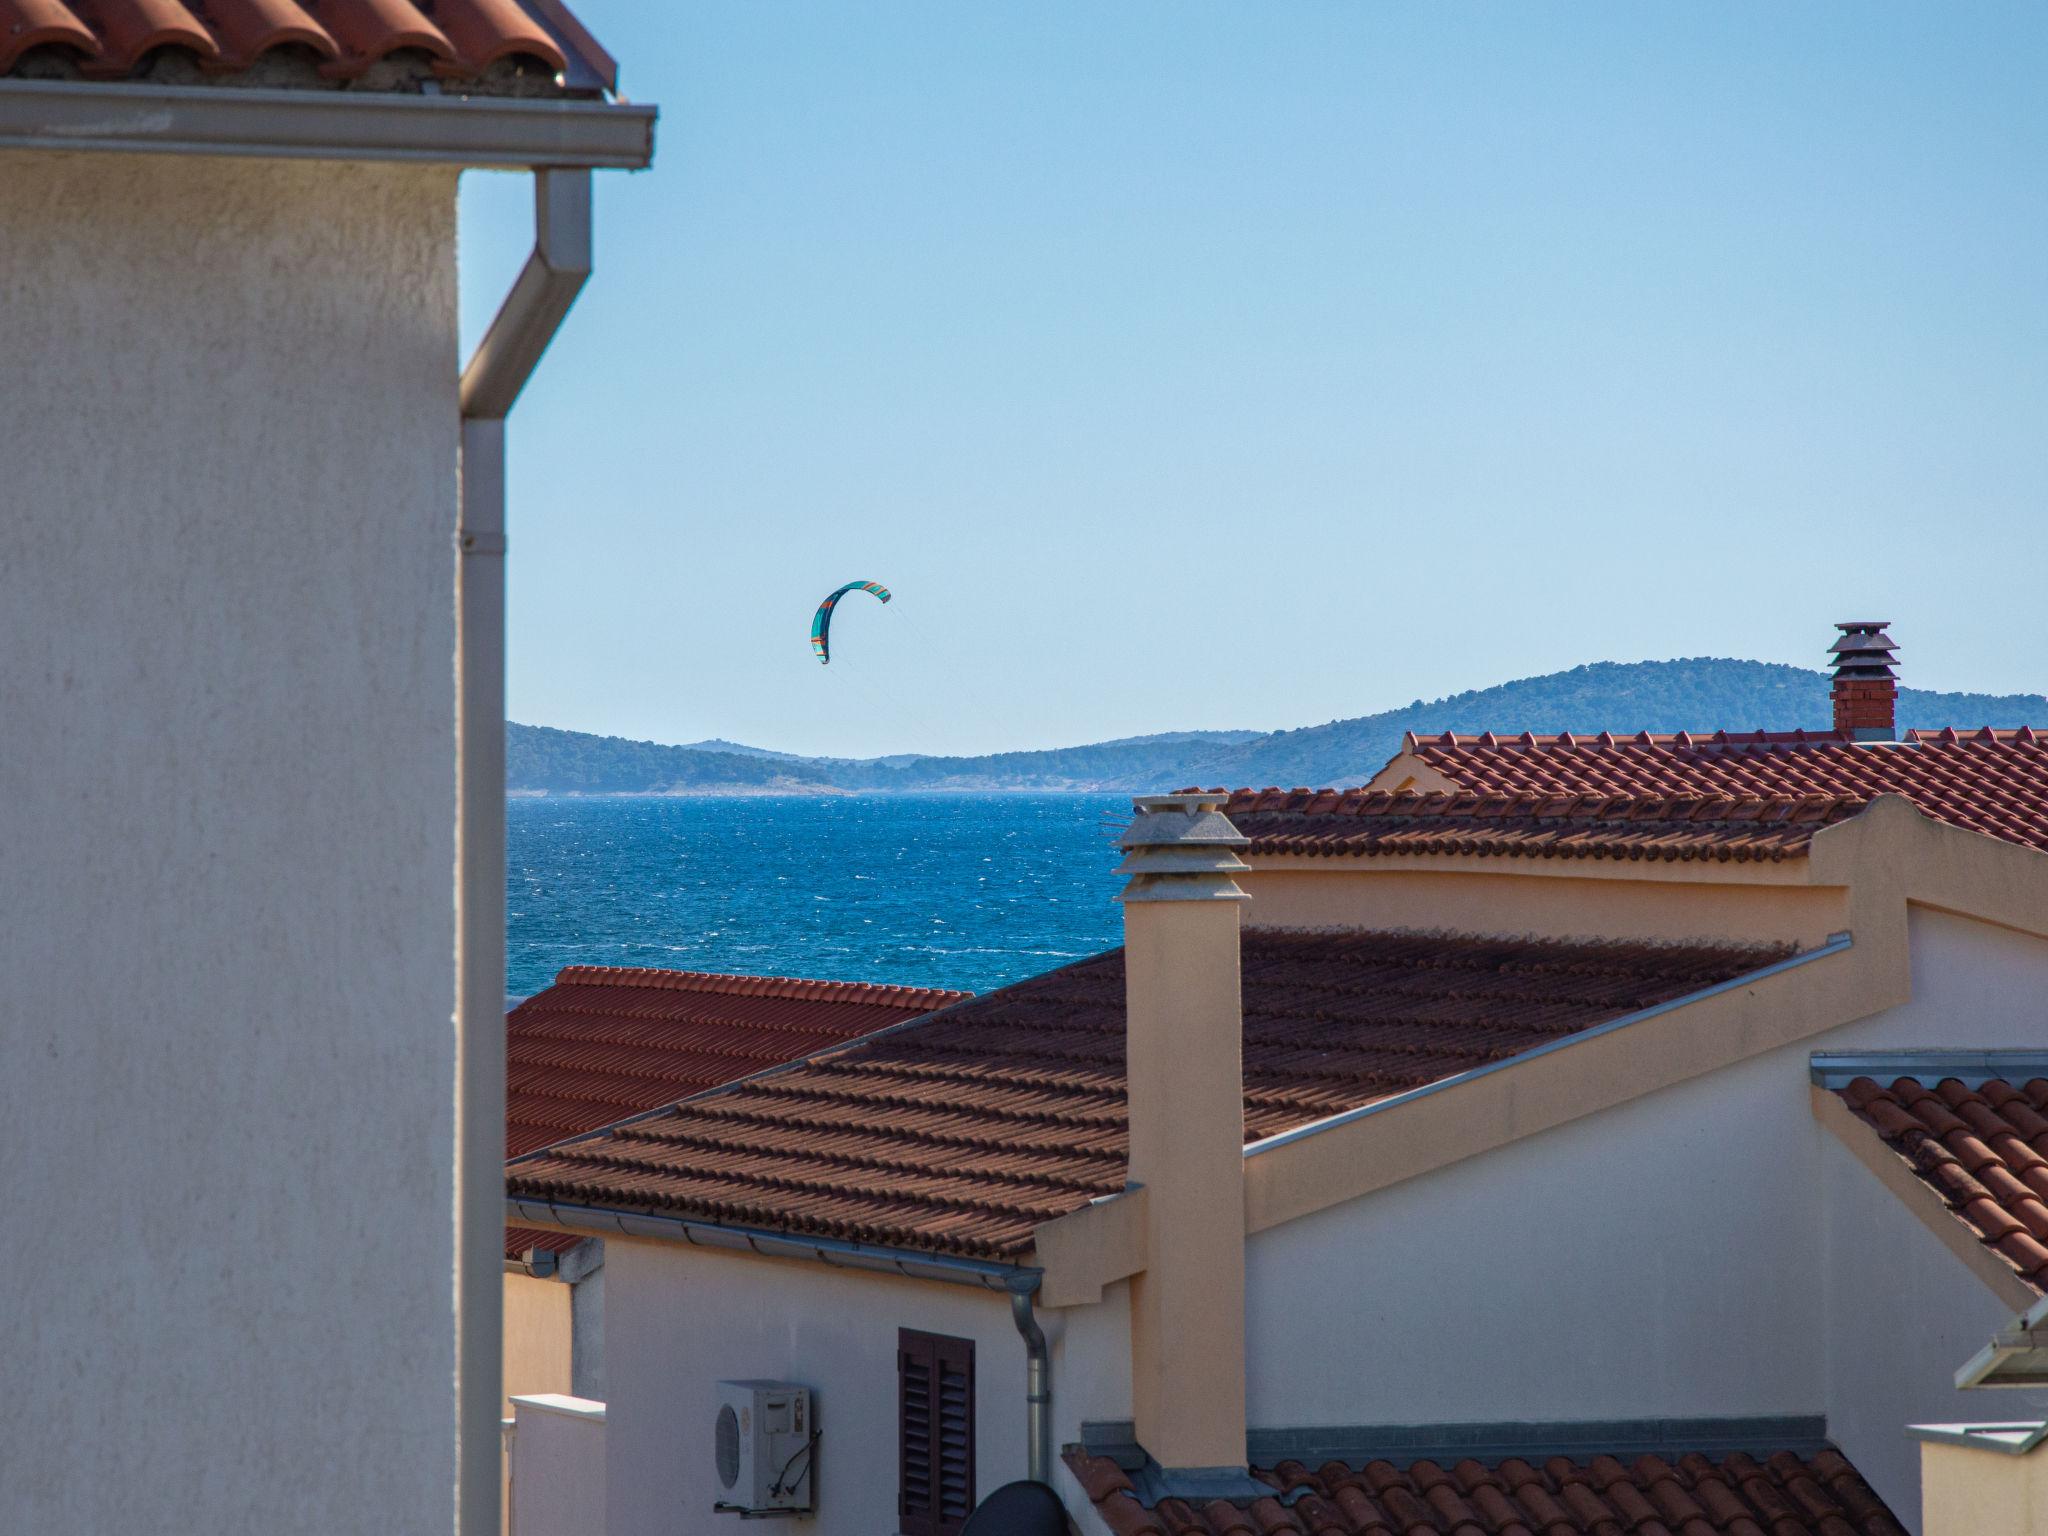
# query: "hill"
{"type": "Point", "coordinates": [1699, 694]}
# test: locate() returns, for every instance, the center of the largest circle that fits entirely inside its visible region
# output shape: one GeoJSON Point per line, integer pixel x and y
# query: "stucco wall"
{"type": "Point", "coordinates": [1538, 896]}
{"type": "Point", "coordinates": [227, 813]}
{"type": "Point", "coordinates": [538, 1336]}
{"type": "Point", "coordinates": [1670, 1257]}
{"type": "Point", "coordinates": [1904, 1312]}
{"type": "Point", "coordinates": [556, 1486]}
{"type": "Point", "coordinates": [1972, 1492]}
{"type": "Point", "coordinates": [679, 1320]}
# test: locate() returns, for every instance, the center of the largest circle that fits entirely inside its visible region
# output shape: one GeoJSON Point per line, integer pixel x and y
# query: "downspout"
{"type": "Point", "coordinates": [525, 323]}
{"type": "Point", "coordinates": [1037, 1383]}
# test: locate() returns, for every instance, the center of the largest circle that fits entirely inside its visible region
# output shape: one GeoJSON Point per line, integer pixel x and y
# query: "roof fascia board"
{"type": "Point", "coordinates": [1838, 1069]}
{"type": "Point", "coordinates": [1869, 1149]}
{"type": "Point", "coordinates": [2014, 1439]}
{"type": "Point", "coordinates": [1403, 1445]}
{"type": "Point", "coordinates": [831, 1252]}
{"type": "Point", "coordinates": [480, 131]}
{"type": "Point", "coordinates": [1787, 871]}
{"type": "Point", "coordinates": [1355, 1154]}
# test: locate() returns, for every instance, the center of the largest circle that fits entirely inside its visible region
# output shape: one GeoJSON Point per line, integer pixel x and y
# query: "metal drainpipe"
{"type": "Point", "coordinates": [1037, 1385]}
{"type": "Point", "coordinates": [525, 323]}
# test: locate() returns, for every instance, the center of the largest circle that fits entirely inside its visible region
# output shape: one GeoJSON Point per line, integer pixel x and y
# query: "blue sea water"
{"type": "Point", "coordinates": [933, 890]}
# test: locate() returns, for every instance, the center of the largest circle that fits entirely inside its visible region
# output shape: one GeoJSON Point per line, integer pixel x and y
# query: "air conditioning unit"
{"type": "Point", "coordinates": [765, 1439]}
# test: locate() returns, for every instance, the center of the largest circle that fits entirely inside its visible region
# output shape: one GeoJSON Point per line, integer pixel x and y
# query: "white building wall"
{"type": "Point", "coordinates": [555, 1482]}
{"type": "Point", "coordinates": [678, 1320]}
{"type": "Point", "coordinates": [1091, 1380]}
{"type": "Point", "coordinates": [1903, 1313]}
{"type": "Point", "coordinates": [227, 836]}
{"type": "Point", "coordinates": [1667, 1258]}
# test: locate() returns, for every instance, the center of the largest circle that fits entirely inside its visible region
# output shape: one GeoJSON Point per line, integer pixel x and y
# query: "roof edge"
{"type": "Point", "coordinates": [801, 989]}
{"type": "Point", "coordinates": [1920, 1199]}
{"type": "Point", "coordinates": [1837, 944]}
{"type": "Point", "coordinates": [1402, 1445]}
{"type": "Point", "coordinates": [2010, 1439]}
{"type": "Point", "coordinates": [482, 131]}
{"type": "Point", "coordinates": [1835, 1070]}
{"type": "Point", "coordinates": [834, 1253]}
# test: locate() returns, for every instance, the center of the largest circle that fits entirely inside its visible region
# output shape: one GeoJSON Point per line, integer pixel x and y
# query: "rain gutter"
{"type": "Point", "coordinates": [1838, 943]}
{"type": "Point", "coordinates": [526, 322]}
{"type": "Point", "coordinates": [1020, 1282]}
{"type": "Point", "coordinates": [983, 1274]}
{"type": "Point", "coordinates": [481, 131]}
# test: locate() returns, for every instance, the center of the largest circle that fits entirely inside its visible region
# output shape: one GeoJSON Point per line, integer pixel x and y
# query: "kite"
{"type": "Point", "coordinates": [821, 622]}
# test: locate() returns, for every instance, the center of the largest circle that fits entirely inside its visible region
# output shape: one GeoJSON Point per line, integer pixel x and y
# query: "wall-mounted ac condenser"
{"type": "Point", "coordinates": [765, 1441]}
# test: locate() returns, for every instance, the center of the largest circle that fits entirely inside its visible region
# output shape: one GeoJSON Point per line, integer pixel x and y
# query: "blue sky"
{"type": "Point", "coordinates": [1226, 365]}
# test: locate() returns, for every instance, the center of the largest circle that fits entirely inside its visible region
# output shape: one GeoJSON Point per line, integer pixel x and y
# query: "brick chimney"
{"type": "Point", "coordinates": [1866, 693]}
{"type": "Point", "coordinates": [1184, 1054]}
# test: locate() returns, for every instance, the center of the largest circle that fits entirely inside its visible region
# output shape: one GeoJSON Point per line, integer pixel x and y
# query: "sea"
{"type": "Point", "coordinates": [937, 890]}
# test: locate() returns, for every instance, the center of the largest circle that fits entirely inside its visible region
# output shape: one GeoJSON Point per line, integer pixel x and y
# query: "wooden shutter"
{"type": "Point", "coordinates": [935, 1433]}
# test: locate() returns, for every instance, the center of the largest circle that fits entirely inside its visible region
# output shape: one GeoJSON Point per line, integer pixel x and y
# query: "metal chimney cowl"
{"type": "Point", "coordinates": [1182, 848]}
{"type": "Point", "coordinates": [1866, 690]}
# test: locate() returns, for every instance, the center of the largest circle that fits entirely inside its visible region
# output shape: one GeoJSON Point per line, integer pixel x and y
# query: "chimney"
{"type": "Point", "coordinates": [1866, 694]}
{"type": "Point", "coordinates": [1184, 1061]}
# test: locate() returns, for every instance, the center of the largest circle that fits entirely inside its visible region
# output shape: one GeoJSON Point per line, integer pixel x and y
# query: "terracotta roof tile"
{"type": "Point", "coordinates": [1362, 824]}
{"type": "Point", "coordinates": [1696, 1495]}
{"type": "Point", "coordinates": [604, 1043]}
{"type": "Point", "coordinates": [962, 1132]}
{"type": "Point", "coordinates": [494, 44]}
{"type": "Point", "coordinates": [1980, 1149]}
{"type": "Point", "coordinates": [1994, 782]}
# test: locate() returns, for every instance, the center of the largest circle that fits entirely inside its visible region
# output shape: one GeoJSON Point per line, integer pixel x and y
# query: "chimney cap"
{"type": "Point", "coordinates": [1181, 848]}
{"type": "Point", "coordinates": [1181, 821]}
{"type": "Point", "coordinates": [1864, 643]}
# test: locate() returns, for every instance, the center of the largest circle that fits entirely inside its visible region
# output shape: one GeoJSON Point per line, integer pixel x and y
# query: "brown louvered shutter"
{"type": "Point", "coordinates": [935, 1433]}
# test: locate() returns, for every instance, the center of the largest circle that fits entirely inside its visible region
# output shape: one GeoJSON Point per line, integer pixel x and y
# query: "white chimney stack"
{"type": "Point", "coordinates": [1184, 1061]}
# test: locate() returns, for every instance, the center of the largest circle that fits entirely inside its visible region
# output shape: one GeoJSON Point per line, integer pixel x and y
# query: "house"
{"type": "Point", "coordinates": [1439, 1160]}
{"type": "Point", "coordinates": [607, 1043]}
{"type": "Point", "coordinates": [246, 470]}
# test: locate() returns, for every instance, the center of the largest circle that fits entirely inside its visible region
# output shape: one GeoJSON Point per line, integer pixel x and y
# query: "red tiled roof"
{"type": "Point", "coordinates": [1995, 782]}
{"type": "Point", "coordinates": [341, 41]}
{"type": "Point", "coordinates": [1695, 1495]}
{"type": "Point", "coordinates": [964, 1131]}
{"type": "Point", "coordinates": [604, 1043]}
{"type": "Point", "coordinates": [1363, 824]}
{"type": "Point", "coordinates": [1984, 1150]}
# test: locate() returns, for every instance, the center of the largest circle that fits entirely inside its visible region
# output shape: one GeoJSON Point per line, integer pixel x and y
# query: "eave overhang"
{"type": "Point", "coordinates": [834, 1253]}
{"type": "Point", "coordinates": [477, 131]}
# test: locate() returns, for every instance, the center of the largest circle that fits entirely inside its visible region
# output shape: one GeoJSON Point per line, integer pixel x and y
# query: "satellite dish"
{"type": "Point", "coordinates": [1018, 1509]}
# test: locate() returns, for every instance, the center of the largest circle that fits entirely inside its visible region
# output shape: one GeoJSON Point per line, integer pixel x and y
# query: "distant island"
{"type": "Point", "coordinates": [1698, 694]}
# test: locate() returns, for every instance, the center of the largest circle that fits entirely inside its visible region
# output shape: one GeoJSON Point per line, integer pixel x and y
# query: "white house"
{"type": "Point", "coordinates": [242, 764]}
{"type": "Point", "coordinates": [1447, 1161]}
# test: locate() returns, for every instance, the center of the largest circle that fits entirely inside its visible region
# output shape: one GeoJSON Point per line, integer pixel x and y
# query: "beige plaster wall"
{"type": "Point", "coordinates": [1533, 896]}
{"type": "Point", "coordinates": [227, 833]}
{"type": "Point", "coordinates": [1973, 1492]}
{"type": "Point", "coordinates": [539, 1356]}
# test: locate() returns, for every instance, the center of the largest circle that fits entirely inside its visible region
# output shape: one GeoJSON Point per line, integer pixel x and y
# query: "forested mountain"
{"type": "Point", "coordinates": [1701, 694]}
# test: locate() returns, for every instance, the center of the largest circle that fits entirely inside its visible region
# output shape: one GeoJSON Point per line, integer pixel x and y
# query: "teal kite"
{"type": "Point", "coordinates": [821, 622]}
